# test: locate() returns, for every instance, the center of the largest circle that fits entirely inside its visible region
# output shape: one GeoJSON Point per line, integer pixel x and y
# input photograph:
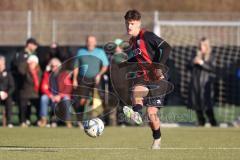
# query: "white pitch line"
{"type": "Point", "coordinates": [179, 148]}
{"type": "Point", "coordinates": [201, 148]}
{"type": "Point", "coordinates": [56, 148]}
{"type": "Point", "coordinates": [224, 148]}
{"type": "Point", "coordinates": [104, 148]}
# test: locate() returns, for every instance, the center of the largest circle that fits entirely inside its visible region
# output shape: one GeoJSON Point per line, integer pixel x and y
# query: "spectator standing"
{"type": "Point", "coordinates": [91, 64]}
{"type": "Point", "coordinates": [29, 90]}
{"type": "Point", "coordinates": [201, 96]}
{"type": "Point", "coordinates": [19, 65]}
{"type": "Point", "coordinates": [6, 90]}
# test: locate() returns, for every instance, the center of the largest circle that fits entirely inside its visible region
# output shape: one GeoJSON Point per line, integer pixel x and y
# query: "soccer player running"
{"type": "Point", "coordinates": [149, 50]}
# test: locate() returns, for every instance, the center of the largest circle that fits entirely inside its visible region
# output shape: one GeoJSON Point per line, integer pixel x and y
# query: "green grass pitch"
{"type": "Point", "coordinates": [117, 143]}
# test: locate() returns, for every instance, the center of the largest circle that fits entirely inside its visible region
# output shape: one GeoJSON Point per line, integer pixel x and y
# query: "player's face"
{"type": "Point", "coordinates": [91, 43]}
{"type": "Point", "coordinates": [204, 48]}
{"type": "Point", "coordinates": [133, 27]}
{"type": "Point", "coordinates": [54, 67]}
{"type": "Point", "coordinates": [32, 47]}
{"type": "Point", "coordinates": [118, 49]}
{"type": "Point", "coordinates": [2, 65]}
{"type": "Point", "coordinates": [32, 65]}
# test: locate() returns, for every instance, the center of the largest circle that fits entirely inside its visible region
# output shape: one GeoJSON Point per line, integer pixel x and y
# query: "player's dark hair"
{"type": "Point", "coordinates": [203, 39]}
{"type": "Point", "coordinates": [200, 41]}
{"type": "Point", "coordinates": [31, 41]}
{"type": "Point", "coordinates": [132, 15]}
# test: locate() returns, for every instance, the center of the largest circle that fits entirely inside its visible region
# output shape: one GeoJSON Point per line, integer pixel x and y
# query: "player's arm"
{"type": "Point", "coordinates": [161, 47]}
{"type": "Point", "coordinates": [105, 63]}
{"type": "Point", "coordinates": [163, 52]}
{"type": "Point", "coordinates": [208, 65]}
{"type": "Point", "coordinates": [11, 85]}
{"type": "Point", "coordinates": [75, 73]}
{"type": "Point", "coordinates": [104, 68]}
{"type": "Point", "coordinates": [100, 74]}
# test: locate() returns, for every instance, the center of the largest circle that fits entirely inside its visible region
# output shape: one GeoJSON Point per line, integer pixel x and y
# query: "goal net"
{"type": "Point", "coordinates": [224, 36]}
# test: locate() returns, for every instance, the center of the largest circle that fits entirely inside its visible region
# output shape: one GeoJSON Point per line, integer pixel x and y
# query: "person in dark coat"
{"type": "Point", "coordinates": [6, 90]}
{"type": "Point", "coordinates": [201, 93]}
{"type": "Point", "coordinates": [19, 63]}
{"type": "Point", "coordinates": [20, 58]}
{"type": "Point", "coordinates": [29, 90]}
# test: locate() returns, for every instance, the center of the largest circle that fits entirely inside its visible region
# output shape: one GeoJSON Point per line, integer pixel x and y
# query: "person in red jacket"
{"type": "Point", "coordinates": [56, 92]}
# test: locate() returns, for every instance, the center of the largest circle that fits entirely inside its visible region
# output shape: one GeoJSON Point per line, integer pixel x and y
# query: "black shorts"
{"type": "Point", "coordinates": [157, 91]}
{"type": "Point", "coordinates": [85, 87]}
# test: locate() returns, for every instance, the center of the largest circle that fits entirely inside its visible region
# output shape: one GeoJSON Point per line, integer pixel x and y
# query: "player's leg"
{"type": "Point", "coordinates": [44, 102]}
{"type": "Point", "coordinates": [154, 123]}
{"type": "Point", "coordinates": [80, 99]}
{"type": "Point", "coordinates": [139, 91]}
{"type": "Point", "coordinates": [135, 113]}
{"type": "Point", "coordinates": [23, 109]}
{"type": "Point", "coordinates": [8, 105]}
{"type": "Point", "coordinates": [210, 114]}
{"type": "Point", "coordinates": [200, 117]}
{"type": "Point", "coordinates": [78, 106]}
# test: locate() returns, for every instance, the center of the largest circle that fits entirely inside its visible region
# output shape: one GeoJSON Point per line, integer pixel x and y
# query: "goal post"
{"type": "Point", "coordinates": [224, 36]}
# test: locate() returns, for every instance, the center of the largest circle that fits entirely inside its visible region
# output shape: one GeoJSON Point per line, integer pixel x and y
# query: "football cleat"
{"type": "Point", "coordinates": [134, 116]}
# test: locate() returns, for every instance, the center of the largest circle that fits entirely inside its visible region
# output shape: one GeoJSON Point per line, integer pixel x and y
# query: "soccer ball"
{"type": "Point", "coordinates": [94, 127]}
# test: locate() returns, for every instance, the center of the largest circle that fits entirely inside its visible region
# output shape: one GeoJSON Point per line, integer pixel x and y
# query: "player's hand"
{"type": "Point", "coordinates": [198, 61]}
{"type": "Point", "coordinates": [57, 98]}
{"type": "Point", "coordinates": [52, 98]}
{"type": "Point", "coordinates": [159, 74]}
{"type": "Point", "coordinates": [75, 83]}
{"type": "Point", "coordinates": [3, 95]}
{"type": "Point", "coordinates": [97, 79]}
{"type": "Point", "coordinates": [156, 75]}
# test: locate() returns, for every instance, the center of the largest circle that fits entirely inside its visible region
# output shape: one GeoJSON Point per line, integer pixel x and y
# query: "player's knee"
{"type": "Point", "coordinates": [83, 101]}
{"type": "Point", "coordinates": [152, 112]}
{"type": "Point", "coordinates": [140, 91]}
{"type": "Point", "coordinates": [137, 100]}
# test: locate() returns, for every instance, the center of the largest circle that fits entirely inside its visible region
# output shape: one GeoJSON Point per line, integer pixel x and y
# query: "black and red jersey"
{"type": "Point", "coordinates": [148, 48]}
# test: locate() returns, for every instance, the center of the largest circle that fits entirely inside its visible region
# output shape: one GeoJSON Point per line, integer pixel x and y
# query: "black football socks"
{"type": "Point", "coordinates": [138, 108]}
{"type": "Point", "coordinates": [156, 133]}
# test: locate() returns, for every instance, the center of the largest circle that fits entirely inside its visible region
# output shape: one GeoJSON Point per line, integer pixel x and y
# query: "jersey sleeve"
{"type": "Point", "coordinates": [104, 58]}
{"type": "Point", "coordinates": [162, 48]}
{"type": "Point", "coordinates": [11, 85]}
{"type": "Point", "coordinates": [76, 60]}
{"type": "Point", "coordinates": [153, 39]}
